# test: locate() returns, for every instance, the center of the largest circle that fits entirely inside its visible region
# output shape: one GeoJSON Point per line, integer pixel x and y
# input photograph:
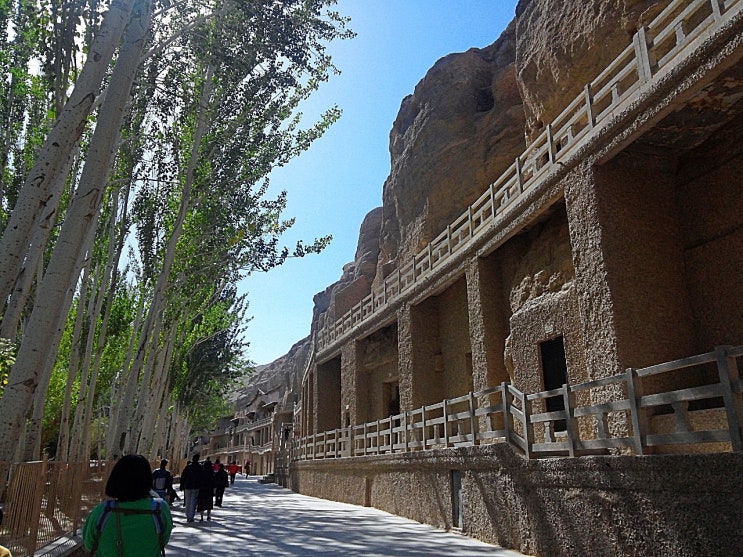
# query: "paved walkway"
{"type": "Point", "coordinates": [269, 521]}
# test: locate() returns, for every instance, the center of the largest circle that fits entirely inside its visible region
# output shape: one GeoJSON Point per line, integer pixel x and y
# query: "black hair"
{"type": "Point", "coordinates": [163, 463]}
{"type": "Point", "coordinates": [130, 479]}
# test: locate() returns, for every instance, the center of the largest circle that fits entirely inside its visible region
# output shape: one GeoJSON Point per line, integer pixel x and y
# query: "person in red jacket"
{"type": "Point", "coordinates": [232, 470]}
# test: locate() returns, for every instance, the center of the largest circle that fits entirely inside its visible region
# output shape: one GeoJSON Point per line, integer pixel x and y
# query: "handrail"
{"type": "Point", "coordinates": [653, 50]}
{"type": "Point", "coordinates": [578, 426]}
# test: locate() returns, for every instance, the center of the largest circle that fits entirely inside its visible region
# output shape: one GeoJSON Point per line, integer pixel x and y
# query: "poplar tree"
{"type": "Point", "coordinates": [204, 99]}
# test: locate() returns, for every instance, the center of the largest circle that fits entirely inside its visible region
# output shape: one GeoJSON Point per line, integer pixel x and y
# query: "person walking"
{"type": "Point", "coordinates": [131, 523]}
{"type": "Point", "coordinates": [162, 482]}
{"type": "Point", "coordinates": [190, 484]}
{"type": "Point", "coordinates": [232, 470]}
{"type": "Point", "coordinates": [206, 490]}
{"type": "Point", "coordinates": [220, 484]}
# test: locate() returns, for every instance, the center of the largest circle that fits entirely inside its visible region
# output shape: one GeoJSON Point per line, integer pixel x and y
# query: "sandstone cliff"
{"type": "Point", "coordinates": [465, 123]}
{"type": "Point", "coordinates": [276, 382]}
{"type": "Point", "coordinates": [563, 45]}
{"type": "Point", "coordinates": [461, 127]}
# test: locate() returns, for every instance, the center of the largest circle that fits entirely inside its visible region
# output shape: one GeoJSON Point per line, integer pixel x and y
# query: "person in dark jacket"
{"type": "Point", "coordinates": [220, 483]}
{"type": "Point", "coordinates": [206, 490]}
{"type": "Point", "coordinates": [190, 484]}
{"type": "Point", "coordinates": [162, 482]}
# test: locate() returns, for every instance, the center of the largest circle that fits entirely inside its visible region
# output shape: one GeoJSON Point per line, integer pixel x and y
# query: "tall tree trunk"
{"type": "Point", "coordinates": [144, 369]}
{"type": "Point", "coordinates": [73, 369]}
{"type": "Point", "coordinates": [158, 392]}
{"type": "Point", "coordinates": [123, 399]}
{"type": "Point", "coordinates": [107, 289]}
{"type": "Point", "coordinates": [45, 181]}
{"type": "Point", "coordinates": [81, 217]}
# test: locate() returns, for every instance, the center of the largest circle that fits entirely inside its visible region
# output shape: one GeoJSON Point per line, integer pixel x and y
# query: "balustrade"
{"type": "Point", "coordinates": [653, 51]}
{"type": "Point", "coordinates": [503, 413]}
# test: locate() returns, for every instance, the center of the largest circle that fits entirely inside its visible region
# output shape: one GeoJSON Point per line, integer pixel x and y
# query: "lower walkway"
{"type": "Point", "coordinates": [270, 521]}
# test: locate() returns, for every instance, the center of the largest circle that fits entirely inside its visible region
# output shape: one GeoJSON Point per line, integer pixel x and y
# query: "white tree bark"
{"type": "Point", "coordinates": [73, 242]}
{"type": "Point", "coordinates": [107, 289]}
{"type": "Point", "coordinates": [122, 399]}
{"type": "Point", "coordinates": [39, 197]}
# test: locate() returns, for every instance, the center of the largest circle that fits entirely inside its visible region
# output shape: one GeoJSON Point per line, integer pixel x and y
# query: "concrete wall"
{"type": "Point", "coordinates": [664, 506]}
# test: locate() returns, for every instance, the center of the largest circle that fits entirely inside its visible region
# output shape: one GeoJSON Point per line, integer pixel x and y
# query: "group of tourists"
{"type": "Point", "coordinates": [203, 486]}
{"type": "Point", "coordinates": [136, 519]}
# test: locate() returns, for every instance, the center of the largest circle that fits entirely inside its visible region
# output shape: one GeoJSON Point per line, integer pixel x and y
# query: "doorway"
{"type": "Point", "coordinates": [555, 375]}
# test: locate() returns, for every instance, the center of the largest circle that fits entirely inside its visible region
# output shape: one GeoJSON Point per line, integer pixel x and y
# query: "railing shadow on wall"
{"type": "Point", "coordinates": [654, 50]}
{"type": "Point", "coordinates": [630, 413]}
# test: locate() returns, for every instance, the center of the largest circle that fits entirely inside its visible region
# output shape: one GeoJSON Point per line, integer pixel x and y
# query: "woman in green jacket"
{"type": "Point", "coordinates": [132, 523]}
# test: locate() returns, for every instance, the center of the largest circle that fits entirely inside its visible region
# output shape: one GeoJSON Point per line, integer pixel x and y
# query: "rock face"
{"type": "Point", "coordinates": [465, 123]}
{"type": "Point", "coordinates": [355, 282]}
{"type": "Point", "coordinates": [459, 130]}
{"type": "Point", "coordinates": [563, 45]}
{"type": "Point", "coordinates": [279, 382]}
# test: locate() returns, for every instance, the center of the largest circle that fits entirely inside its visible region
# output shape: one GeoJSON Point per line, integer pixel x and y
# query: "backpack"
{"type": "Point", "coordinates": [160, 477]}
{"type": "Point", "coordinates": [112, 507]}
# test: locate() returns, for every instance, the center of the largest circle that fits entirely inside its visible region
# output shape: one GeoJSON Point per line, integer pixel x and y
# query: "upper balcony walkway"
{"type": "Point", "coordinates": [656, 49]}
{"type": "Point", "coordinates": [268, 520]}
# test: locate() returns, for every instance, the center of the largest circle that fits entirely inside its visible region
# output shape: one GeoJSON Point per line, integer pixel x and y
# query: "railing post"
{"type": "Point", "coordinates": [405, 429]}
{"type": "Point", "coordinates": [527, 425]}
{"type": "Point", "coordinates": [716, 12]}
{"type": "Point", "coordinates": [446, 423]}
{"type": "Point", "coordinates": [366, 438]}
{"type": "Point", "coordinates": [377, 451]}
{"type": "Point", "coordinates": [569, 399]}
{"type": "Point", "coordinates": [507, 421]}
{"type": "Point", "coordinates": [727, 367]}
{"type": "Point", "coordinates": [474, 430]}
{"type": "Point", "coordinates": [519, 179]}
{"type": "Point", "coordinates": [639, 421]}
{"type": "Point", "coordinates": [640, 41]}
{"type": "Point", "coordinates": [589, 105]}
{"type": "Point", "coordinates": [550, 145]}
{"type": "Point", "coordinates": [423, 419]}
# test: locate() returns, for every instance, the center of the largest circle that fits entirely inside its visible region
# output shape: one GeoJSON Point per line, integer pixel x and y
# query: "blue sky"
{"type": "Point", "coordinates": [333, 185]}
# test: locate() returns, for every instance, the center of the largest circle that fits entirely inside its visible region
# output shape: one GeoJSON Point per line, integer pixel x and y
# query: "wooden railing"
{"type": "Point", "coordinates": [624, 411]}
{"type": "Point", "coordinates": [46, 502]}
{"type": "Point", "coordinates": [654, 50]}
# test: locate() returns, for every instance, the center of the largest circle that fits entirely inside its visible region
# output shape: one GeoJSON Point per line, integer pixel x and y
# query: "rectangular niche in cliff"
{"type": "Point", "coordinates": [555, 374]}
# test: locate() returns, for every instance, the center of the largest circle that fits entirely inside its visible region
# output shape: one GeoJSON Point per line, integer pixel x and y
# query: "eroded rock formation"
{"type": "Point", "coordinates": [562, 46]}
{"type": "Point", "coordinates": [458, 131]}
{"type": "Point", "coordinates": [465, 123]}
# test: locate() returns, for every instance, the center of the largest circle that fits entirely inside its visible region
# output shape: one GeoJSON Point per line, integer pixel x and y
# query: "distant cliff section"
{"type": "Point", "coordinates": [275, 383]}
{"type": "Point", "coordinates": [464, 124]}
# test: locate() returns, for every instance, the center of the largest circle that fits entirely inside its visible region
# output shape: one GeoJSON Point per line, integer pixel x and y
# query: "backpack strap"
{"type": "Point", "coordinates": [110, 505]}
{"type": "Point", "coordinates": [159, 527]}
